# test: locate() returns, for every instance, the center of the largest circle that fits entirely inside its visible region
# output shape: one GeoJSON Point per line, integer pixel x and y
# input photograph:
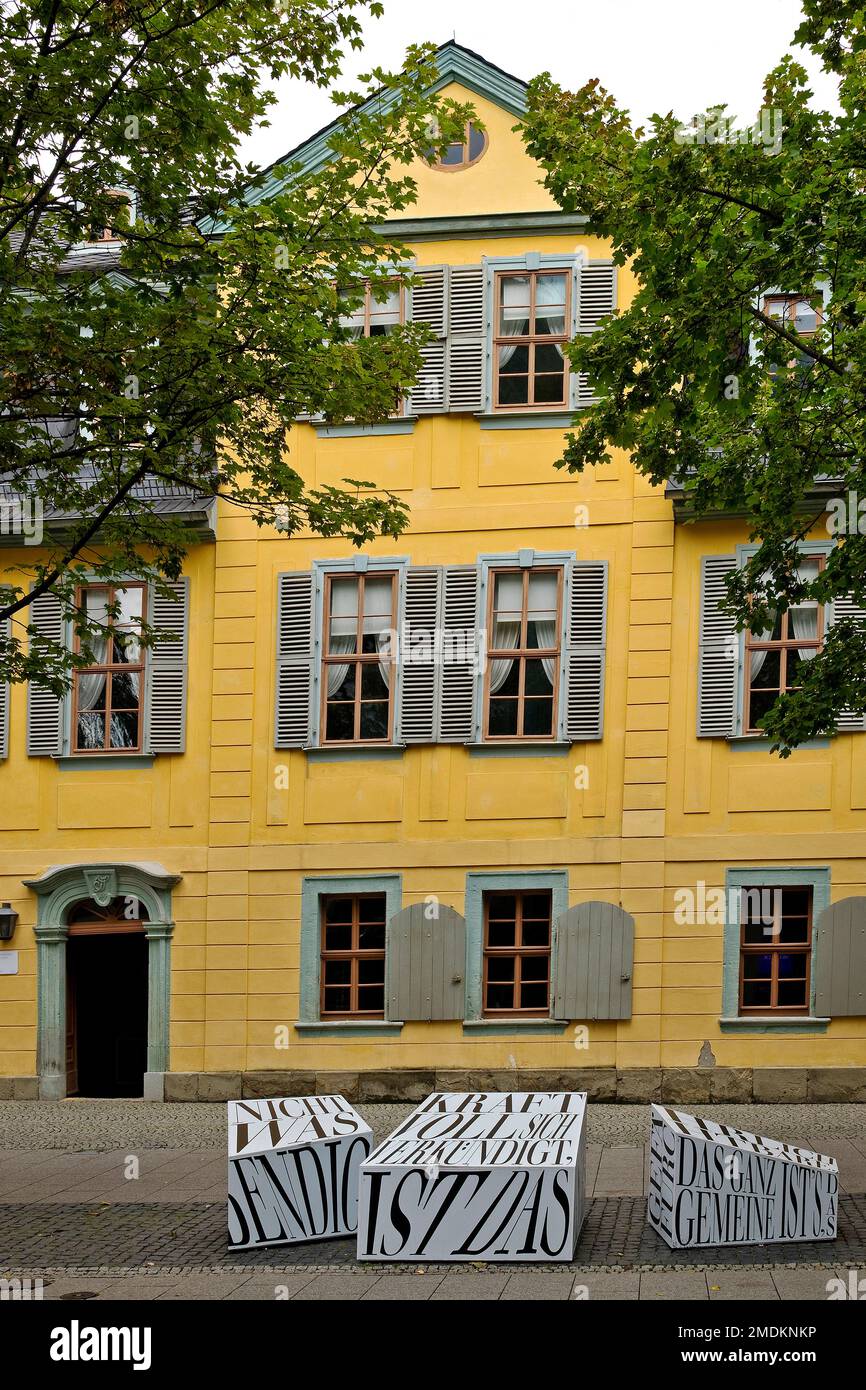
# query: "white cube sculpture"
{"type": "Point", "coordinates": [711, 1184]}
{"type": "Point", "coordinates": [293, 1170]}
{"type": "Point", "coordinates": [478, 1176]}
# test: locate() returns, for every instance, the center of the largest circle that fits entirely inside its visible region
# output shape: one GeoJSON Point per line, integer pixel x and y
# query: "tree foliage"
{"type": "Point", "coordinates": [184, 354]}
{"type": "Point", "coordinates": [698, 383]}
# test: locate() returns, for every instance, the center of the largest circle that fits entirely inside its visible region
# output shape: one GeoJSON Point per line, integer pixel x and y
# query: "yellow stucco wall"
{"type": "Point", "coordinates": [662, 809]}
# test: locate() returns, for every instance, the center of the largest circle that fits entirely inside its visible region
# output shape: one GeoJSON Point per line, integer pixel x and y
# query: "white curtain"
{"type": "Point", "coordinates": [342, 630]}
{"type": "Point", "coordinates": [549, 291]}
{"type": "Point", "coordinates": [513, 314]}
{"type": "Point", "coordinates": [507, 610]}
{"type": "Point", "coordinates": [804, 619]}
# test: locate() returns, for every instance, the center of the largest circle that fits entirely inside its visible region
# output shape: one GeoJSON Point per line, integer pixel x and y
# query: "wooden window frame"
{"type": "Point", "coordinates": [522, 653]}
{"type": "Point", "coordinates": [466, 162]}
{"type": "Point", "coordinates": [357, 659]}
{"type": "Point", "coordinates": [815, 300]}
{"type": "Point", "coordinates": [782, 645]}
{"type": "Point", "coordinates": [368, 306]}
{"type": "Point", "coordinates": [775, 947]}
{"type": "Point", "coordinates": [109, 670]}
{"type": "Point", "coordinates": [532, 340]}
{"type": "Point", "coordinates": [354, 956]}
{"type": "Point", "coordinates": [515, 952]}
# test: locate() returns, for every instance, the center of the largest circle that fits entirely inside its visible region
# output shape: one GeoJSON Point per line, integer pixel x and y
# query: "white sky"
{"type": "Point", "coordinates": [654, 55]}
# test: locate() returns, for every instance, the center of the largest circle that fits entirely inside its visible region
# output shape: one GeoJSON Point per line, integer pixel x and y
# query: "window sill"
{"type": "Point", "coordinates": [526, 420]}
{"type": "Point", "coordinates": [357, 1028]}
{"type": "Point", "coordinates": [405, 425]}
{"type": "Point", "coordinates": [768, 1023]}
{"type": "Point", "coordinates": [357, 753]}
{"type": "Point", "coordinates": [761, 741]}
{"type": "Point", "coordinates": [85, 763]}
{"type": "Point", "coordinates": [518, 750]}
{"type": "Point", "coordinates": [550, 1027]}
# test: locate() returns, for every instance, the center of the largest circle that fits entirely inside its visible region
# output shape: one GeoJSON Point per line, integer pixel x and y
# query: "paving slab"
{"type": "Point", "coordinates": [279, 1288]}
{"type": "Point", "coordinates": [796, 1285]}
{"type": "Point", "coordinates": [749, 1284]}
{"type": "Point", "coordinates": [471, 1288]}
{"type": "Point", "coordinates": [607, 1285]}
{"type": "Point", "coordinates": [336, 1284]}
{"type": "Point", "coordinates": [674, 1286]}
{"type": "Point", "coordinates": [404, 1288]}
{"type": "Point", "coordinates": [542, 1286]}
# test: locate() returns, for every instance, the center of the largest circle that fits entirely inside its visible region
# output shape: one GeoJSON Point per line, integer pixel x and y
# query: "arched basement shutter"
{"type": "Point", "coordinates": [718, 665]}
{"type": "Point", "coordinates": [295, 655]}
{"type": "Point", "coordinates": [594, 962]}
{"type": "Point", "coordinates": [426, 963]}
{"type": "Point", "coordinates": [840, 960]}
{"type": "Point", "coordinates": [44, 708]}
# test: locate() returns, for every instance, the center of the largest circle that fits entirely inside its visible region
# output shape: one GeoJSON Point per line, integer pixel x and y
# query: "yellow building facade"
{"type": "Point", "coordinates": [377, 876]}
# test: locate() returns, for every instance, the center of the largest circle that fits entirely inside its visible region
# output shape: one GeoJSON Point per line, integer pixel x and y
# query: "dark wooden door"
{"type": "Point", "coordinates": [71, 1030]}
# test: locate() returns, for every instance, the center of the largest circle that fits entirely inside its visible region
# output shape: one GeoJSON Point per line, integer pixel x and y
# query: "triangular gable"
{"type": "Point", "coordinates": [454, 64]}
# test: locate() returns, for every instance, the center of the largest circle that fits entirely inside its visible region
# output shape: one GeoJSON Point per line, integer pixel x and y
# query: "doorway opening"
{"type": "Point", "coordinates": [106, 1000]}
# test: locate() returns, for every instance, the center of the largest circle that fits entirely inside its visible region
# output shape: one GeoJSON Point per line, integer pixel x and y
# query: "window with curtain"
{"type": "Point", "coordinates": [775, 950]}
{"type": "Point", "coordinates": [531, 330]}
{"type": "Point", "coordinates": [775, 658]}
{"type": "Point", "coordinates": [797, 314]}
{"type": "Point", "coordinates": [517, 933]}
{"type": "Point", "coordinates": [380, 313]}
{"type": "Point", "coordinates": [353, 956]}
{"type": "Point", "coordinates": [358, 661]}
{"type": "Point", "coordinates": [523, 642]}
{"type": "Point", "coordinates": [108, 696]}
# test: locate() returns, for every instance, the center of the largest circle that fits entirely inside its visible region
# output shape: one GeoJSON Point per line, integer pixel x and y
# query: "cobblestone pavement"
{"type": "Point", "coordinates": [102, 1125]}
{"type": "Point", "coordinates": [38, 1236]}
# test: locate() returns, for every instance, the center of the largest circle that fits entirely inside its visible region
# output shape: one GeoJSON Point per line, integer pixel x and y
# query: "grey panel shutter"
{"type": "Point", "coordinates": [294, 660]}
{"type": "Point", "coordinates": [718, 655]}
{"type": "Point", "coordinates": [418, 656]}
{"type": "Point", "coordinates": [849, 721]}
{"type": "Point", "coordinates": [596, 302]}
{"type": "Point", "coordinates": [167, 667]}
{"type": "Point", "coordinates": [584, 652]}
{"type": "Point", "coordinates": [430, 306]}
{"type": "Point", "coordinates": [459, 658]}
{"type": "Point", "coordinates": [44, 709]}
{"type": "Point", "coordinates": [594, 962]}
{"type": "Point", "coordinates": [426, 958]}
{"type": "Point", "coordinates": [840, 964]}
{"type": "Point", "coordinates": [467, 339]}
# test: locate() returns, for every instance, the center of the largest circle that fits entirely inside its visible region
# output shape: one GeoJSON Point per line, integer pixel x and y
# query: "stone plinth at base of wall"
{"type": "Point", "coordinates": [635, 1086]}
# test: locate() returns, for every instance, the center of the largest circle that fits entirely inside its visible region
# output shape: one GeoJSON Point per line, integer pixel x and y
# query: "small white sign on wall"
{"type": "Point", "coordinates": [712, 1184]}
{"type": "Point", "coordinates": [8, 962]}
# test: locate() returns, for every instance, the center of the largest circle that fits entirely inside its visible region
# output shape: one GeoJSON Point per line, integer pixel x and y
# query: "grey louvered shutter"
{"type": "Point", "coordinates": [426, 963]}
{"type": "Point", "coordinates": [594, 962]}
{"type": "Point", "coordinates": [596, 302]}
{"type": "Point", "coordinates": [295, 657]}
{"type": "Point", "coordinates": [849, 721]}
{"type": "Point", "coordinates": [840, 960]}
{"type": "Point", "coordinates": [459, 655]}
{"type": "Point", "coordinates": [168, 664]}
{"type": "Point", "coordinates": [585, 622]}
{"type": "Point", "coordinates": [418, 656]}
{"type": "Point", "coordinates": [430, 306]}
{"type": "Point", "coordinates": [44, 709]}
{"type": "Point", "coordinates": [718, 654]}
{"type": "Point", "coordinates": [467, 339]}
{"type": "Point", "coordinates": [4, 703]}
